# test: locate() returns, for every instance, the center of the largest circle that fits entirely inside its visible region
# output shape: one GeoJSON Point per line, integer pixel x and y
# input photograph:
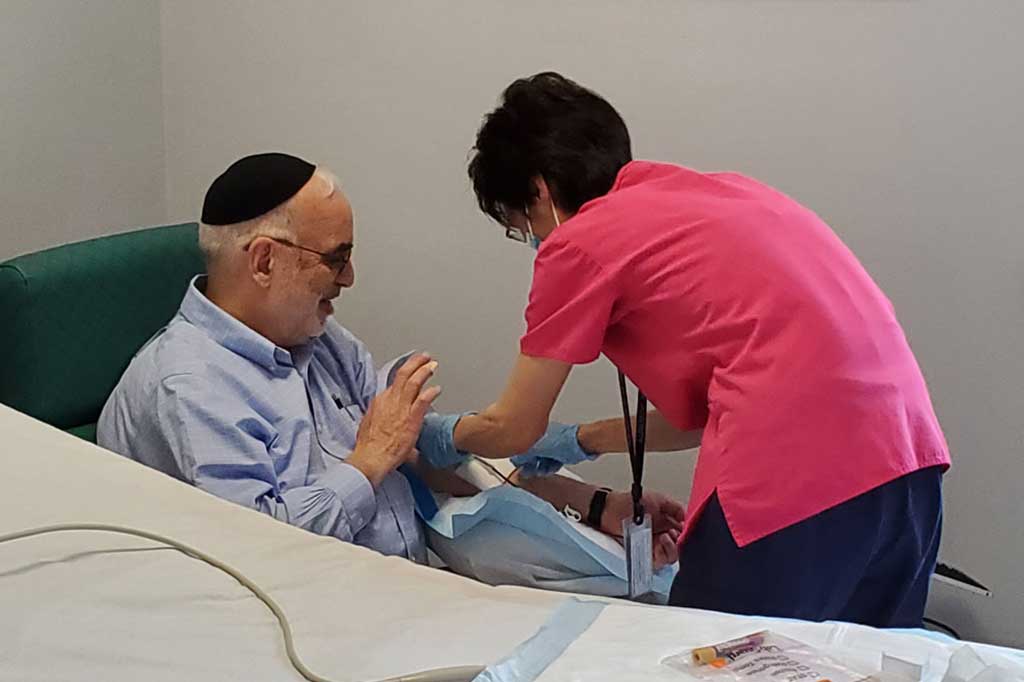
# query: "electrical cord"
{"type": "Point", "coordinates": [942, 626]}
{"type": "Point", "coordinates": [494, 470]}
{"type": "Point", "coordinates": [451, 674]}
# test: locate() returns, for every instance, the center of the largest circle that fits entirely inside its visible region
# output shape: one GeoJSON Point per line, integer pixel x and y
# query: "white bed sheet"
{"type": "Point", "coordinates": [628, 642]}
{"type": "Point", "coordinates": [90, 606]}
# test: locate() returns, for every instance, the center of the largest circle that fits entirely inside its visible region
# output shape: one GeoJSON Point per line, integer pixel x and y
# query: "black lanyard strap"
{"type": "Point", "coordinates": [636, 446]}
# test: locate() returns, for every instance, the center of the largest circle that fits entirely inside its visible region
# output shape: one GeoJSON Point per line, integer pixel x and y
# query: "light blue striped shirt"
{"type": "Point", "coordinates": [213, 403]}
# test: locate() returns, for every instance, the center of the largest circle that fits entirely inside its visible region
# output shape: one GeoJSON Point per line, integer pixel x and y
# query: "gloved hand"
{"type": "Point", "coordinates": [437, 440]}
{"type": "Point", "coordinates": [558, 446]}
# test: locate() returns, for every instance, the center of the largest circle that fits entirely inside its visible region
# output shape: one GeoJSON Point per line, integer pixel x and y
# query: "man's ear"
{"type": "Point", "coordinates": [261, 260]}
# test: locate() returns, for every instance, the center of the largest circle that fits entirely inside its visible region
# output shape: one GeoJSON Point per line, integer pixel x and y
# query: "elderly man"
{"type": "Point", "coordinates": [254, 393]}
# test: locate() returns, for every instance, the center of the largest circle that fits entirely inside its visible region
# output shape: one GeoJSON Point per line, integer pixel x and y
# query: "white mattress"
{"type": "Point", "coordinates": [89, 606]}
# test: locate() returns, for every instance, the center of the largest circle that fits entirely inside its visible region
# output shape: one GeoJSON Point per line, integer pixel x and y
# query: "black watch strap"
{"type": "Point", "coordinates": [597, 503]}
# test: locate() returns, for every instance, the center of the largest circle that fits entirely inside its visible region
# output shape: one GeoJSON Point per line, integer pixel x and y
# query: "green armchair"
{"type": "Point", "coordinates": [73, 316]}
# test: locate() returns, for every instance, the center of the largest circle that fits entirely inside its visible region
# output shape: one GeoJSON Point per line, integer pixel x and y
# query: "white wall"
{"type": "Point", "coordinates": [897, 121]}
{"type": "Point", "coordinates": [81, 120]}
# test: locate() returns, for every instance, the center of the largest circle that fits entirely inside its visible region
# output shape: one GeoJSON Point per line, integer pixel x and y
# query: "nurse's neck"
{"type": "Point", "coordinates": [544, 213]}
{"type": "Point", "coordinates": [545, 216]}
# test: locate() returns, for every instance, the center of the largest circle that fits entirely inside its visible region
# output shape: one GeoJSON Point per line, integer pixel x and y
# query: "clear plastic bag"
{"type": "Point", "coordinates": [762, 657]}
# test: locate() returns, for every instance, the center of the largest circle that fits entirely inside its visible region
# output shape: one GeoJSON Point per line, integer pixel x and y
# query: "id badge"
{"type": "Point", "coordinates": [639, 550]}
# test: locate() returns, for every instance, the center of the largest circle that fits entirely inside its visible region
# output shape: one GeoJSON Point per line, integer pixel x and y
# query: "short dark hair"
{"type": "Point", "coordinates": [550, 126]}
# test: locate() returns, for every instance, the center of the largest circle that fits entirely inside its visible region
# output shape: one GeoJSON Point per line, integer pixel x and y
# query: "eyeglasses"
{"type": "Point", "coordinates": [517, 235]}
{"type": "Point", "coordinates": [335, 260]}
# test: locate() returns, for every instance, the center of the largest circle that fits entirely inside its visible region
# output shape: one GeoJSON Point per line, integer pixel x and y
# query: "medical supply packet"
{"type": "Point", "coordinates": [762, 657]}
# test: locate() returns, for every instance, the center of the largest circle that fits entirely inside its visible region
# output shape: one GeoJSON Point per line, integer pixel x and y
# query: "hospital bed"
{"type": "Point", "coordinates": [92, 605]}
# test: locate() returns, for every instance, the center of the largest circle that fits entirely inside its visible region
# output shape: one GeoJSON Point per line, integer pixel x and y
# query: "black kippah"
{"type": "Point", "coordinates": [253, 186]}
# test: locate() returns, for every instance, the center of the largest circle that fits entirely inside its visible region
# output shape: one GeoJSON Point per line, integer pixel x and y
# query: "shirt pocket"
{"type": "Point", "coordinates": [337, 432]}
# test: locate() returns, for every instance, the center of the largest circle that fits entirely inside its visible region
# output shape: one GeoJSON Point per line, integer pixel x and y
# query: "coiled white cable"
{"type": "Point", "coordinates": [452, 674]}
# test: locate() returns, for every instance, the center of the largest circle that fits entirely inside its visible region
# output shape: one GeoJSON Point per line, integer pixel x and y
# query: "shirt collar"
{"type": "Point", "coordinates": [236, 336]}
{"type": "Point", "coordinates": [633, 173]}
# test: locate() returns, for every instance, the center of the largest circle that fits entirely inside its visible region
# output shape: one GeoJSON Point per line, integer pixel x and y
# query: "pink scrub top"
{"type": "Point", "coordinates": [739, 311]}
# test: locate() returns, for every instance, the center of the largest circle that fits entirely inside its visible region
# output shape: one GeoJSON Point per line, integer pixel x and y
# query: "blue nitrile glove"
{"type": "Point", "coordinates": [558, 446]}
{"type": "Point", "coordinates": [437, 440]}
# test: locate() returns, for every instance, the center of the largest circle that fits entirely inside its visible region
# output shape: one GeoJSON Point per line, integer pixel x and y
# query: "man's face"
{"type": "Point", "coordinates": [305, 284]}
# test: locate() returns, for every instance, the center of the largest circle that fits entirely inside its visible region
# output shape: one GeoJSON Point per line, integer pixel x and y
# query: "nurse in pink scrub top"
{"type": "Point", "coordinates": [754, 332]}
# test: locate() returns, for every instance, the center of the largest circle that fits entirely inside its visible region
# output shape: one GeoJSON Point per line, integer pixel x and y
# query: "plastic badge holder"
{"type": "Point", "coordinates": [639, 563]}
{"type": "Point", "coordinates": [763, 657]}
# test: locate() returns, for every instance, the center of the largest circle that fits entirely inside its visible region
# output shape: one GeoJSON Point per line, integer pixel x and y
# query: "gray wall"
{"type": "Point", "coordinates": [81, 120]}
{"type": "Point", "coordinates": [897, 121]}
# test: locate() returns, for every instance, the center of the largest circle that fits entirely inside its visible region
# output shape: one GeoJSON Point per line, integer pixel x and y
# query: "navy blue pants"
{"type": "Point", "coordinates": [866, 561]}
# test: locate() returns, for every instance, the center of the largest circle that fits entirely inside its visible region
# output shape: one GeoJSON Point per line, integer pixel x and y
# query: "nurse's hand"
{"type": "Point", "coordinates": [559, 445]}
{"type": "Point", "coordinates": [436, 442]}
{"type": "Point", "coordinates": [666, 514]}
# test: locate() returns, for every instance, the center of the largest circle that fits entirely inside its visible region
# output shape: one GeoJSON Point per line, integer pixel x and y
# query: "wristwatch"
{"type": "Point", "coordinates": [597, 503]}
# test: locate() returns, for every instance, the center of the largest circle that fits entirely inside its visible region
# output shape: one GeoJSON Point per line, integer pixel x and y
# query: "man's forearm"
{"type": "Point", "coordinates": [561, 491]}
{"type": "Point", "coordinates": [444, 480]}
{"type": "Point", "coordinates": [609, 435]}
{"type": "Point", "coordinates": [340, 502]}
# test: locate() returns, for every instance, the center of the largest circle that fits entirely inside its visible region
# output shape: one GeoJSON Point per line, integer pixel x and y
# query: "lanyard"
{"type": "Point", "coordinates": [636, 446]}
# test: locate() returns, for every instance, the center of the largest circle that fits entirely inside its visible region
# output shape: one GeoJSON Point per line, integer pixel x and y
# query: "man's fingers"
{"type": "Point", "coordinates": [673, 514]}
{"type": "Point", "coordinates": [424, 401]}
{"type": "Point", "coordinates": [414, 386]}
{"type": "Point", "coordinates": [665, 551]}
{"type": "Point", "coordinates": [367, 419]}
{"type": "Point", "coordinates": [674, 509]}
{"type": "Point", "coordinates": [663, 525]}
{"type": "Point", "coordinates": [662, 551]}
{"type": "Point", "coordinates": [674, 522]}
{"type": "Point", "coordinates": [671, 549]}
{"type": "Point", "coordinates": [663, 515]}
{"type": "Point", "coordinates": [408, 368]}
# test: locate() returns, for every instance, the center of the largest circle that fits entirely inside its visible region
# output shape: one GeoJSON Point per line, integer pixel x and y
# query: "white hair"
{"type": "Point", "coordinates": [216, 241]}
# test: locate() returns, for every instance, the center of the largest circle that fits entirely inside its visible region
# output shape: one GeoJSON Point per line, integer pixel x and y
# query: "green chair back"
{"type": "Point", "coordinates": [74, 315]}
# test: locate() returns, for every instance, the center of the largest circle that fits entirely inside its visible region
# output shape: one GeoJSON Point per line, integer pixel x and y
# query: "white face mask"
{"type": "Point", "coordinates": [534, 239]}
